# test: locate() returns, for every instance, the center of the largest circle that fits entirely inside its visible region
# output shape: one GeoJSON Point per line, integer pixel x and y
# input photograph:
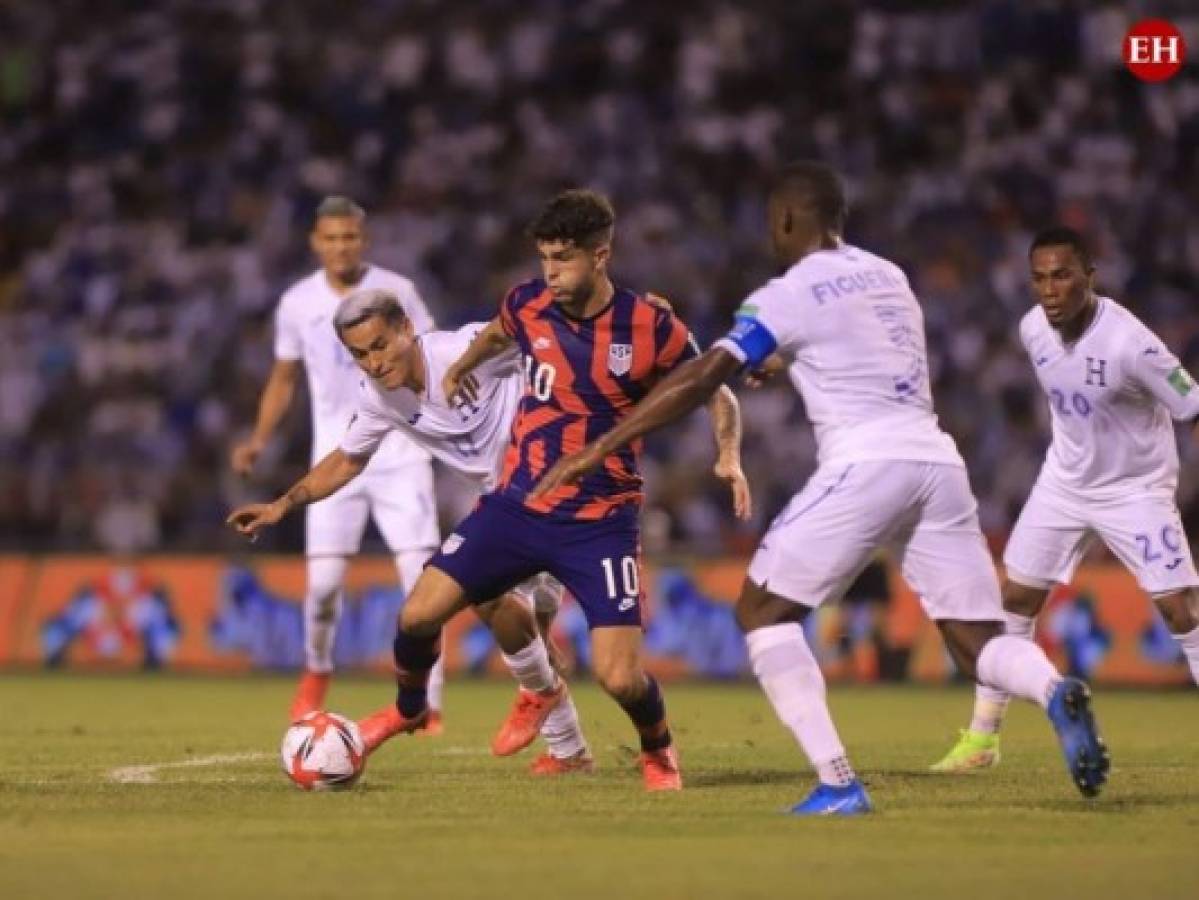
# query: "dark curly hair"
{"type": "Point", "coordinates": [582, 217]}
{"type": "Point", "coordinates": [1061, 236]}
{"type": "Point", "coordinates": [819, 186]}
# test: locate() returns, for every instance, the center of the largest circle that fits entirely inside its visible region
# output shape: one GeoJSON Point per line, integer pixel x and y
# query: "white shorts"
{"type": "Point", "coordinates": [400, 500]}
{"type": "Point", "coordinates": [1056, 527]}
{"type": "Point", "coordinates": [923, 512]}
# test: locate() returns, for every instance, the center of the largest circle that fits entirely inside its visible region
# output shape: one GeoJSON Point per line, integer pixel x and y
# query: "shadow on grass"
{"type": "Point", "coordinates": [737, 777]}
{"type": "Point", "coordinates": [1102, 806]}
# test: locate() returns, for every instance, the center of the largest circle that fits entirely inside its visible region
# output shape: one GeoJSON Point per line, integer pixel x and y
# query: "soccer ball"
{"type": "Point", "coordinates": [323, 752]}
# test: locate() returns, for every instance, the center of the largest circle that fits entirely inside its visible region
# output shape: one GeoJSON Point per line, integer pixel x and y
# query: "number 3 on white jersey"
{"type": "Point", "coordinates": [540, 377]}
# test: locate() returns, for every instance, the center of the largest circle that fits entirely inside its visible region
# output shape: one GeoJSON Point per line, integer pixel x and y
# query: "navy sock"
{"type": "Point", "coordinates": [648, 713]}
{"type": "Point", "coordinates": [414, 656]}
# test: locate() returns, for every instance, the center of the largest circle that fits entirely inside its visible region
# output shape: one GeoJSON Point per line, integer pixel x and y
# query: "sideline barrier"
{"type": "Point", "coordinates": [209, 613]}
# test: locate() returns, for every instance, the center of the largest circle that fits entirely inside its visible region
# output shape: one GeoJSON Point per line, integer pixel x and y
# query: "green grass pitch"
{"type": "Point", "coordinates": [439, 818]}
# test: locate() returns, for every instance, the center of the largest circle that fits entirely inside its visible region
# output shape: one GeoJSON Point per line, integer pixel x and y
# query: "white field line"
{"type": "Point", "coordinates": [148, 774]}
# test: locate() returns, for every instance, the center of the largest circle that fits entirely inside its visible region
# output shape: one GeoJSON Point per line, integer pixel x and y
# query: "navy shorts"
{"type": "Point", "coordinates": [501, 543]}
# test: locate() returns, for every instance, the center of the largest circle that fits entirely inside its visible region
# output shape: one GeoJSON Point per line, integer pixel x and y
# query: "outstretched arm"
{"type": "Point", "coordinates": [488, 344]}
{"type": "Point", "coordinates": [726, 426]}
{"type": "Point", "coordinates": [332, 473]}
{"type": "Point", "coordinates": [677, 394]}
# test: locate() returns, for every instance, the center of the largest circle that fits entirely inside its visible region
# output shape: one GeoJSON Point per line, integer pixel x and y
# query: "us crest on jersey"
{"type": "Point", "coordinates": [620, 358]}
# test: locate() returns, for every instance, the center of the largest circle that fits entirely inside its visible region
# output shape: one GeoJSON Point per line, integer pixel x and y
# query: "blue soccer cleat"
{"type": "Point", "coordinates": [1086, 755]}
{"type": "Point", "coordinates": [829, 800]}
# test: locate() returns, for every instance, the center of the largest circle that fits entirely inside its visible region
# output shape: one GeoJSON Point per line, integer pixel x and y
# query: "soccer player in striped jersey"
{"type": "Point", "coordinates": [591, 350]}
{"type": "Point", "coordinates": [852, 332]}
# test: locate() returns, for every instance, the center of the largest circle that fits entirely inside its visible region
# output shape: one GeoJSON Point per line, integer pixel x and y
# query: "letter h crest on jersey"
{"type": "Point", "coordinates": [620, 359]}
{"type": "Point", "coordinates": [1097, 371]}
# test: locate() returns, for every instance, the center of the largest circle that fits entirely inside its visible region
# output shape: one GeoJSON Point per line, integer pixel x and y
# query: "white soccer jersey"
{"type": "Point", "coordinates": [469, 437]}
{"type": "Point", "coordinates": [1112, 394]}
{"type": "Point", "coordinates": [304, 331]}
{"type": "Point", "coordinates": [852, 329]}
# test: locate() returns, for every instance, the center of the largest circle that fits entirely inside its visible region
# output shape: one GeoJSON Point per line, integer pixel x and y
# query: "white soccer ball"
{"type": "Point", "coordinates": [323, 752]}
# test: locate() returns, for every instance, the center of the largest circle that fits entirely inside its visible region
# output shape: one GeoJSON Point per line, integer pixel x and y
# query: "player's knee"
{"type": "Point", "coordinates": [758, 608]}
{"type": "Point", "coordinates": [624, 688]}
{"type": "Point", "coordinates": [624, 684]}
{"type": "Point", "coordinates": [1180, 611]}
{"type": "Point", "coordinates": [417, 619]}
{"type": "Point", "coordinates": [750, 611]}
{"type": "Point", "coordinates": [511, 622]}
{"type": "Point", "coordinates": [1023, 599]}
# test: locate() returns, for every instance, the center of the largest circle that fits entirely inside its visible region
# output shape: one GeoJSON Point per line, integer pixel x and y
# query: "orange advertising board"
{"type": "Point", "coordinates": [212, 613]}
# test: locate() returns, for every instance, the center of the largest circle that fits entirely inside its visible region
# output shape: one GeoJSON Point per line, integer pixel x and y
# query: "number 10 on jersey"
{"type": "Point", "coordinates": [629, 577]}
{"type": "Point", "coordinates": [540, 377]}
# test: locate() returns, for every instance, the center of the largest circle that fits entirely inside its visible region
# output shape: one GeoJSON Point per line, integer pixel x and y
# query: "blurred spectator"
{"type": "Point", "coordinates": [161, 161]}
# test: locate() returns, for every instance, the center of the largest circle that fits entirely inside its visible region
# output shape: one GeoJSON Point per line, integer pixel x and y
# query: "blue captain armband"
{"type": "Point", "coordinates": [750, 341]}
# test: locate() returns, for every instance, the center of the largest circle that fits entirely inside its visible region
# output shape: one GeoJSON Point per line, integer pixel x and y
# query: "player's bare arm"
{"type": "Point", "coordinates": [684, 389]}
{"type": "Point", "coordinates": [488, 344]}
{"type": "Point", "coordinates": [272, 407]}
{"type": "Point", "coordinates": [726, 426]}
{"type": "Point", "coordinates": [331, 474]}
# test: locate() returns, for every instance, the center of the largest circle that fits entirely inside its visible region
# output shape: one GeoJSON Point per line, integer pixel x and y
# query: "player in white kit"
{"type": "Point", "coordinates": [407, 519]}
{"type": "Point", "coordinates": [852, 331]}
{"type": "Point", "coordinates": [1114, 392]}
{"type": "Point", "coordinates": [404, 396]}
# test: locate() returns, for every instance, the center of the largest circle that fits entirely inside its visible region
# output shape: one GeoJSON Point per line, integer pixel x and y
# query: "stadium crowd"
{"type": "Point", "coordinates": [161, 160]}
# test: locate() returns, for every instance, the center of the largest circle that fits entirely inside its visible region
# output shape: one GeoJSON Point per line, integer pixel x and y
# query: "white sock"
{"type": "Point", "coordinates": [435, 687]}
{"type": "Point", "coordinates": [562, 732]}
{"type": "Point", "coordinates": [531, 667]}
{"type": "Point", "coordinates": [322, 608]}
{"type": "Point", "coordinates": [409, 564]}
{"type": "Point", "coordinates": [990, 705]}
{"type": "Point", "coordinates": [1190, 649]}
{"type": "Point", "coordinates": [1016, 666]}
{"type": "Point", "coordinates": [789, 674]}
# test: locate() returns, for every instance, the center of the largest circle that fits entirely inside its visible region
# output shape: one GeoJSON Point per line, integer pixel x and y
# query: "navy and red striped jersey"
{"type": "Point", "coordinates": [581, 377]}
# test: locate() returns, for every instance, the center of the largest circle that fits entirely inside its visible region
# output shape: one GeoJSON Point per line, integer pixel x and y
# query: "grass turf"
{"type": "Point", "coordinates": [439, 818]}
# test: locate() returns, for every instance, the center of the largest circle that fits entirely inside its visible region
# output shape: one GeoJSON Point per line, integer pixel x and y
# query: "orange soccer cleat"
{"type": "Point", "coordinates": [310, 694]}
{"type": "Point", "coordinates": [387, 723]}
{"type": "Point", "coordinates": [548, 765]}
{"type": "Point", "coordinates": [432, 726]}
{"type": "Point", "coordinates": [660, 770]}
{"type": "Point", "coordinates": [525, 719]}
